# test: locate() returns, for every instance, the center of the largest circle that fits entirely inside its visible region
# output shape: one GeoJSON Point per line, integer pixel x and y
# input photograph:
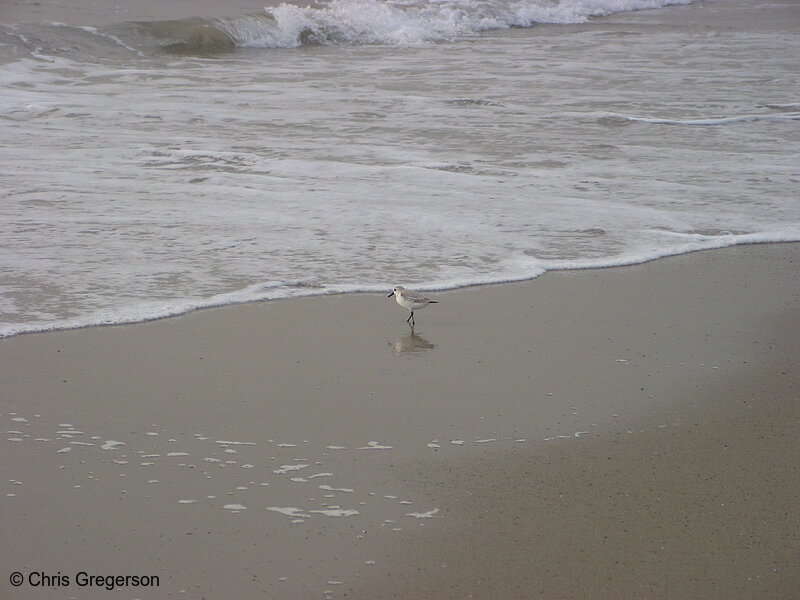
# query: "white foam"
{"type": "Point", "coordinates": [375, 446]}
{"type": "Point", "coordinates": [426, 515]}
{"type": "Point", "coordinates": [333, 489]}
{"type": "Point", "coordinates": [201, 200]}
{"type": "Point", "coordinates": [112, 445]}
{"type": "Point", "coordinates": [335, 512]}
{"type": "Point", "coordinates": [289, 468]}
{"type": "Point", "coordinates": [410, 22]}
{"type": "Point", "coordinates": [289, 511]}
{"type": "Point", "coordinates": [708, 121]}
{"type": "Point", "coordinates": [231, 443]}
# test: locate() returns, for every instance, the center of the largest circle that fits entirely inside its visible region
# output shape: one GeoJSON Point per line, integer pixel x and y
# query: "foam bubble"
{"type": "Point", "coordinates": [289, 468]}
{"type": "Point", "coordinates": [335, 512]}
{"type": "Point", "coordinates": [289, 511]}
{"type": "Point", "coordinates": [426, 515]}
{"type": "Point", "coordinates": [333, 489]}
{"type": "Point", "coordinates": [231, 443]}
{"type": "Point", "coordinates": [375, 446]}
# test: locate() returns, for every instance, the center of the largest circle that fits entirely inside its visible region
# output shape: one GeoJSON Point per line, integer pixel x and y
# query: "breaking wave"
{"type": "Point", "coordinates": [369, 22]}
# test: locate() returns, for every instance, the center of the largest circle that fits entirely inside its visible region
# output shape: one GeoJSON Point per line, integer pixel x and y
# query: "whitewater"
{"type": "Point", "coordinates": [155, 166]}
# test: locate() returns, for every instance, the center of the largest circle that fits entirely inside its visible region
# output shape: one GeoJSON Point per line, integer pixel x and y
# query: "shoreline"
{"type": "Point", "coordinates": [213, 305]}
{"type": "Point", "coordinates": [596, 434]}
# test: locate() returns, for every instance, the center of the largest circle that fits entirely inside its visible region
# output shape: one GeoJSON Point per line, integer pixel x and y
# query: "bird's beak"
{"type": "Point", "coordinates": [390, 295]}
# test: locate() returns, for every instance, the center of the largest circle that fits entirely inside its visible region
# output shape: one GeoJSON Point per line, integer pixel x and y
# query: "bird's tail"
{"type": "Point", "coordinates": [434, 302]}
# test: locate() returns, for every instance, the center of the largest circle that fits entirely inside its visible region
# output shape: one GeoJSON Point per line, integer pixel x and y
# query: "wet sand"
{"type": "Point", "coordinates": [614, 433]}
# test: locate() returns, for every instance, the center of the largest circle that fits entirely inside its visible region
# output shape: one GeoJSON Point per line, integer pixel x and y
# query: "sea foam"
{"type": "Point", "coordinates": [267, 174]}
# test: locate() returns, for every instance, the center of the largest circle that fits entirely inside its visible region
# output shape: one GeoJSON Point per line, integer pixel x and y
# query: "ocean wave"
{"type": "Point", "coordinates": [705, 121]}
{"type": "Point", "coordinates": [367, 22]}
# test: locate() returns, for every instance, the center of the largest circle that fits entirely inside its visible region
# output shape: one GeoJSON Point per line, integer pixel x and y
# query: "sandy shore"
{"type": "Point", "coordinates": [616, 433]}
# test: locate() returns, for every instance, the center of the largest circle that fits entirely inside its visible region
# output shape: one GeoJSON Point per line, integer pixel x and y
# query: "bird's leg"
{"type": "Point", "coordinates": [410, 319]}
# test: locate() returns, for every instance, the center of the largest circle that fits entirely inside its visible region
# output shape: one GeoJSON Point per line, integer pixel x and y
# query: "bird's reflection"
{"type": "Point", "coordinates": [412, 343]}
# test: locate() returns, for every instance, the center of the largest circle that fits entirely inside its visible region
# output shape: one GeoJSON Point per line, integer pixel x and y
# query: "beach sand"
{"type": "Point", "coordinates": [615, 433]}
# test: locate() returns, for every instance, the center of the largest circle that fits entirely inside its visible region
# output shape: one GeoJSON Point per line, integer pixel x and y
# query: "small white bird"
{"type": "Point", "coordinates": [411, 300]}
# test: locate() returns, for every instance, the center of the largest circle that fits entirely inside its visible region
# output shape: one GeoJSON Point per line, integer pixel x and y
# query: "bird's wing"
{"type": "Point", "coordinates": [415, 296]}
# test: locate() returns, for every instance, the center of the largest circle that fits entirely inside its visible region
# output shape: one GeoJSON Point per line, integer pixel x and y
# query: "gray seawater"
{"type": "Point", "coordinates": [154, 167]}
